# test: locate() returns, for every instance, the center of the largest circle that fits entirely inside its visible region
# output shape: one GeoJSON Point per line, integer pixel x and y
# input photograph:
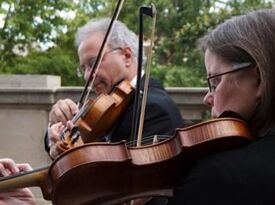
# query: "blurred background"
{"type": "Point", "coordinates": [39, 60]}
{"type": "Point", "coordinates": [37, 36]}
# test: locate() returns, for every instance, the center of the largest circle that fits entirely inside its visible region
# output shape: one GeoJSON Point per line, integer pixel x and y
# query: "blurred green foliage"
{"type": "Point", "coordinates": [30, 25]}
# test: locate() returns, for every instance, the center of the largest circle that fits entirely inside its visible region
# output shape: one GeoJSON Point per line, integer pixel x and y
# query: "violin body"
{"type": "Point", "coordinates": [111, 173]}
{"type": "Point", "coordinates": [115, 173]}
{"type": "Point", "coordinates": [98, 116]}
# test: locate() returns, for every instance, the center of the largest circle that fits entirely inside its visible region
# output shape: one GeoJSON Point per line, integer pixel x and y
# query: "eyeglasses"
{"type": "Point", "coordinates": [213, 81]}
{"type": "Point", "coordinates": [80, 71]}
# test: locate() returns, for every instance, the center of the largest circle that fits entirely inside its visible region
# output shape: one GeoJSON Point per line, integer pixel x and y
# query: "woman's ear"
{"type": "Point", "coordinates": [259, 84]}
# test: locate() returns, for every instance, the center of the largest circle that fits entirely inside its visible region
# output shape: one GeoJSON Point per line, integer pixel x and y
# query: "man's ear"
{"type": "Point", "coordinates": [128, 55]}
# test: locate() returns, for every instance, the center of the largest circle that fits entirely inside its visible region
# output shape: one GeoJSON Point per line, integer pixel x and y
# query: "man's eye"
{"type": "Point", "coordinates": [82, 69]}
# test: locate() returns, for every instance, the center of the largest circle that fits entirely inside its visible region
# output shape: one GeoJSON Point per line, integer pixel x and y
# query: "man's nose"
{"type": "Point", "coordinates": [87, 74]}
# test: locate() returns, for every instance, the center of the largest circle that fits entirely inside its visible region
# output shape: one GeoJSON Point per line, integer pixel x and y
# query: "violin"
{"type": "Point", "coordinates": [98, 116]}
{"type": "Point", "coordinates": [81, 175]}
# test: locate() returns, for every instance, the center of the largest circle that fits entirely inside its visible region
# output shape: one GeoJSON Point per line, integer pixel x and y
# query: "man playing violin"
{"type": "Point", "coordinates": [119, 63]}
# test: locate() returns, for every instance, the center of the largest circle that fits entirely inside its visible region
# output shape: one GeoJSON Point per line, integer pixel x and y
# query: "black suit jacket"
{"type": "Point", "coordinates": [162, 116]}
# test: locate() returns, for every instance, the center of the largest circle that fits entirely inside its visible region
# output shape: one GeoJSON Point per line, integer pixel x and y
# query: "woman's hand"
{"type": "Point", "coordinates": [22, 196]}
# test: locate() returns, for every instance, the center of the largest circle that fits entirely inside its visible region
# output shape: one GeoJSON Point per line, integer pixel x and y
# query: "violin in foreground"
{"type": "Point", "coordinates": [81, 175]}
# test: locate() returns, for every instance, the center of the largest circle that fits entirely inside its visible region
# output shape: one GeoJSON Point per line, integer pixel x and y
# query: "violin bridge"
{"type": "Point", "coordinates": [155, 139]}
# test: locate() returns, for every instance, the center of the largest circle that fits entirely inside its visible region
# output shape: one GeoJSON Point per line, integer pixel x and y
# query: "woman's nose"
{"type": "Point", "coordinates": [208, 99]}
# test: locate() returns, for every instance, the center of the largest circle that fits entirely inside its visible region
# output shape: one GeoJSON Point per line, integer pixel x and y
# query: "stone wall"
{"type": "Point", "coordinates": [25, 101]}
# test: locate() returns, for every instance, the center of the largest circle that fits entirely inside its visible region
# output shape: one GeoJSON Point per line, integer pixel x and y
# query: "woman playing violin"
{"type": "Point", "coordinates": [239, 60]}
{"type": "Point", "coordinates": [119, 63]}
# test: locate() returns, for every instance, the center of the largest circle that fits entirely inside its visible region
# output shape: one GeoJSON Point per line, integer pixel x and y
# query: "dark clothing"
{"type": "Point", "coordinates": [241, 176]}
{"type": "Point", "coordinates": [162, 116]}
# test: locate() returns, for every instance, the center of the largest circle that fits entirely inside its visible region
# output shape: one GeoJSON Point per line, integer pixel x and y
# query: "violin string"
{"type": "Point", "coordinates": [146, 140]}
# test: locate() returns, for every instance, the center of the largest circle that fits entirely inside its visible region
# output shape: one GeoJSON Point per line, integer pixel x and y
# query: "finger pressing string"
{"type": "Point", "coordinates": [23, 167]}
{"type": "Point", "coordinates": [8, 166]}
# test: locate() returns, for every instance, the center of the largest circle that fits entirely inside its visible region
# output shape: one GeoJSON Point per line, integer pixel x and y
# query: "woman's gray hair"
{"type": "Point", "coordinates": [250, 38]}
{"type": "Point", "coordinates": [121, 36]}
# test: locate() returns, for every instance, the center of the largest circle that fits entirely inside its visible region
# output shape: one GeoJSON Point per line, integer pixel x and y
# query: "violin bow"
{"type": "Point", "coordinates": [92, 76]}
{"type": "Point", "coordinates": [139, 113]}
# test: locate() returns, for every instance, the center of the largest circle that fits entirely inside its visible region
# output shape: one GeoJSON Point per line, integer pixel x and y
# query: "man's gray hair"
{"type": "Point", "coordinates": [121, 36]}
